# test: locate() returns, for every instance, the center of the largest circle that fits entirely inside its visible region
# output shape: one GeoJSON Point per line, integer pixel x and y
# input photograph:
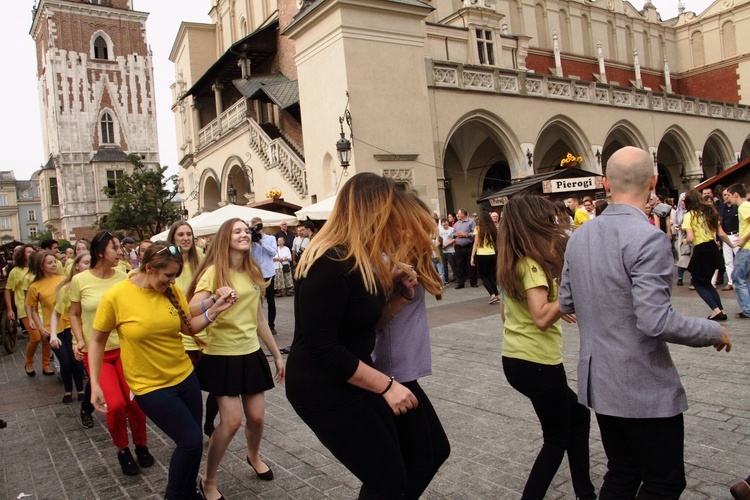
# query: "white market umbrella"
{"type": "Point", "coordinates": [317, 211]}
{"type": "Point", "coordinates": [209, 223]}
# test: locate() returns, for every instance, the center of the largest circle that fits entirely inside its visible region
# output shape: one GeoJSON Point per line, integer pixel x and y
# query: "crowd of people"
{"type": "Point", "coordinates": [156, 324]}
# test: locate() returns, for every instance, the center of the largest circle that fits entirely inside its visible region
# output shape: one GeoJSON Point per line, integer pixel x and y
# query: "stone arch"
{"type": "Point", "coordinates": [210, 190]}
{"type": "Point", "coordinates": [728, 39]}
{"type": "Point", "coordinates": [540, 16]}
{"type": "Point", "coordinates": [676, 162]}
{"type": "Point", "coordinates": [234, 173]}
{"type": "Point", "coordinates": [481, 152]}
{"type": "Point", "coordinates": [698, 52]}
{"type": "Point", "coordinates": [556, 139]}
{"type": "Point", "coordinates": [745, 152]}
{"type": "Point", "coordinates": [622, 133]}
{"type": "Point", "coordinates": [717, 154]}
{"type": "Point", "coordinates": [94, 47]}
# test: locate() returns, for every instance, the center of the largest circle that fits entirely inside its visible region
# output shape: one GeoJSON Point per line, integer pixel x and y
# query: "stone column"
{"type": "Point", "coordinates": [217, 88]}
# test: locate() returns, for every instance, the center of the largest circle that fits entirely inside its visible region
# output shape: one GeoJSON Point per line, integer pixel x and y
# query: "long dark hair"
{"type": "Point", "coordinates": [487, 229]}
{"type": "Point", "coordinates": [98, 245]}
{"type": "Point", "coordinates": [529, 229]}
{"type": "Point", "coordinates": [701, 208]}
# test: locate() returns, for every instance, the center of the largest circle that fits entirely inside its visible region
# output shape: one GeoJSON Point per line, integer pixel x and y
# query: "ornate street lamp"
{"type": "Point", "coordinates": [344, 145]}
{"type": "Point", "coordinates": [232, 193]}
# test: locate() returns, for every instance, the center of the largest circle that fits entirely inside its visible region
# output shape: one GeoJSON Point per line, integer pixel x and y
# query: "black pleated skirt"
{"type": "Point", "coordinates": [234, 375]}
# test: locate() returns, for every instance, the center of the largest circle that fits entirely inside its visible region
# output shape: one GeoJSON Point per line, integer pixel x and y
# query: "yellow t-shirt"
{"type": "Point", "coordinates": [743, 212]}
{"type": "Point", "coordinates": [62, 308]}
{"type": "Point", "coordinates": [59, 271]}
{"type": "Point", "coordinates": [88, 290]}
{"type": "Point", "coordinates": [580, 217]}
{"type": "Point", "coordinates": [701, 232]}
{"type": "Point", "coordinates": [68, 267]}
{"type": "Point", "coordinates": [486, 248]}
{"type": "Point", "coordinates": [15, 279]}
{"type": "Point", "coordinates": [235, 331]}
{"type": "Point", "coordinates": [183, 282]}
{"type": "Point", "coordinates": [124, 267]}
{"type": "Point", "coordinates": [522, 339]}
{"type": "Point", "coordinates": [42, 292]}
{"type": "Point", "coordinates": [147, 324]}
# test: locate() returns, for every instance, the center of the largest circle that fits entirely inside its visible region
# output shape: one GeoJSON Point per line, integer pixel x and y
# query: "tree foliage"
{"type": "Point", "coordinates": [142, 202]}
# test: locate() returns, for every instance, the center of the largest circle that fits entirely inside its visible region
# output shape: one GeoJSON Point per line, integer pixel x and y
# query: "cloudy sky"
{"type": "Point", "coordinates": [21, 135]}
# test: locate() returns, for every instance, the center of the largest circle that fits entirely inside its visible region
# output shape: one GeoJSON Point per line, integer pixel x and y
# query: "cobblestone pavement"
{"type": "Point", "coordinates": [493, 431]}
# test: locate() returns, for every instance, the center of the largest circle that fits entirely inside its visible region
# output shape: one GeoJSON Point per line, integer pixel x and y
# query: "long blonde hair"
{"type": "Point", "coordinates": [378, 226]}
{"type": "Point", "coordinates": [218, 256]}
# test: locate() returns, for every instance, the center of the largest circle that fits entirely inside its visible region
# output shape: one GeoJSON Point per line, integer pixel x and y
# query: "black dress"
{"type": "Point", "coordinates": [335, 320]}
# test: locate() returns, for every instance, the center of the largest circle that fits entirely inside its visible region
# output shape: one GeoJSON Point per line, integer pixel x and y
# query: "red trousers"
{"type": "Point", "coordinates": [121, 410]}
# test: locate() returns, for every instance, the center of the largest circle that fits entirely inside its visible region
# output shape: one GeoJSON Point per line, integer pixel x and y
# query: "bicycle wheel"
{"type": "Point", "coordinates": [10, 333]}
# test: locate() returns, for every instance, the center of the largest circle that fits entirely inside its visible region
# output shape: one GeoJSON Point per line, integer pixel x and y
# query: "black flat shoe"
{"type": "Point", "coordinates": [31, 373]}
{"type": "Point", "coordinates": [203, 493]}
{"type": "Point", "coordinates": [47, 374]}
{"type": "Point", "coordinates": [265, 476]}
{"type": "Point", "coordinates": [718, 317]}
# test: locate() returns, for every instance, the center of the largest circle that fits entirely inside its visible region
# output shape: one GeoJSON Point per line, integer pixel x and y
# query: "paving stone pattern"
{"type": "Point", "coordinates": [493, 431]}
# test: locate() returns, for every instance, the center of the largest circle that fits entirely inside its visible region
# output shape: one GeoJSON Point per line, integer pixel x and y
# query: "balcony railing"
{"type": "Point", "coordinates": [229, 119]}
{"type": "Point", "coordinates": [274, 153]}
{"type": "Point", "coordinates": [509, 82]}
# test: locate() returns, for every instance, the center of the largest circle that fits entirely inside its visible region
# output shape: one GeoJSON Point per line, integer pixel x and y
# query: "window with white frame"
{"type": "Point", "coordinates": [4, 222]}
{"type": "Point", "coordinates": [32, 231]}
{"type": "Point", "coordinates": [485, 47]}
{"type": "Point", "coordinates": [107, 128]}
{"type": "Point", "coordinates": [3, 200]}
{"type": "Point", "coordinates": [101, 51]}
{"type": "Point", "coordinates": [32, 215]}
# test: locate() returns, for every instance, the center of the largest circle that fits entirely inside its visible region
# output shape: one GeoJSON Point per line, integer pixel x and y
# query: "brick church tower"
{"type": "Point", "coordinates": [96, 94]}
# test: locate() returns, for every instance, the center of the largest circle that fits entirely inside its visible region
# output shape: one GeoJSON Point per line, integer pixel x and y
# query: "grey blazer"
{"type": "Point", "coordinates": [617, 279]}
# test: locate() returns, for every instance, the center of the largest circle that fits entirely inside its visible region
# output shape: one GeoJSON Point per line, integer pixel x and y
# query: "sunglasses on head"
{"type": "Point", "coordinates": [100, 237]}
{"type": "Point", "coordinates": [172, 249]}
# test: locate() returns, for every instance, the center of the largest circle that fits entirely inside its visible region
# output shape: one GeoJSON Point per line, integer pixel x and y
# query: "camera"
{"type": "Point", "coordinates": [256, 232]}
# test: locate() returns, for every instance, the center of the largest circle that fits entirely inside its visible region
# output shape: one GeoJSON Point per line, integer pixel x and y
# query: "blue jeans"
{"type": "Point", "coordinates": [178, 411]}
{"type": "Point", "coordinates": [739, 279]}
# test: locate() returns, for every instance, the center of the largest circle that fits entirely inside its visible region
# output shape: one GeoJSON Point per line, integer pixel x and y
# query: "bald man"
{"type": "Point", "coordinates": [617, 279]}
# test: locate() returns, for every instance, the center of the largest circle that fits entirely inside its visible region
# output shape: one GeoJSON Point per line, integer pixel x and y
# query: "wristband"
{"type": "Point", "coordinates": [401, 292]}
{"type": "Point", "coordinates": [203, 306]}
{"type": "Point", "coordinates": [388, 387]}
{"type": "Point", "coordinates": [205, 315]}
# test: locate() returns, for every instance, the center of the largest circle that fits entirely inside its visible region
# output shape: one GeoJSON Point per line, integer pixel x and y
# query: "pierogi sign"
{"type": "Point", "coordinates": [573, 184]}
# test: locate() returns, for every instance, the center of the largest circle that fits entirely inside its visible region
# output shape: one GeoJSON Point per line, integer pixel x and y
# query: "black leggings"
{"type": "Point", "coordinates": [487, 265]}
{"type": "Point", "coordinates": [565, 426]}
{"type": "Point", "coordinates": [71, 370]}
{"type": "Point", "coordinates": [362, 436]}
{"type": "Point", "coordinates": [424, 445]}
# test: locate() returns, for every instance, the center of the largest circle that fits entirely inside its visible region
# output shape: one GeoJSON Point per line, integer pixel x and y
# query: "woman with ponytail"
{"type": "Point", "coordinates": [149, 310]}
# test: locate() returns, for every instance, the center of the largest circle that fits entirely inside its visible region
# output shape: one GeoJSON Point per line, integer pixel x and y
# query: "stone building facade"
{"type": "Point", "coordinates": [9, 229]}
{"type": "Point", "coordinates": [96, 94]}
{"type": "Point", "coordinates": [29, 208]}
{"type": "Point", "coordinates": [453, 98]}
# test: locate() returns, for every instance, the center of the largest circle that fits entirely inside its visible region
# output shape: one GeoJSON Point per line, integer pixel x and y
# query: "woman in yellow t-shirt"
{"type": "Point", "coordinates": [149, 310]}
{"type": "Point", "coordinates": [483, 254]}
{"type": "Point", "coordinates": [81, 245]}
{"type": "Point", "coordinates": [86, 290]}
{"type": "Point", "coordinates": [42, 291]}
{"type": "Point", "coordinates": [531, 246]}
{"type": "Point", "coordinates": [181, 235]}
{"type": "Point", "coordinates": [702, 224]}
{"type": "Point", "coordinates": [61, 338]}
{"type": "Point", "coordinates": [233, 367]}
{"type": "Point", "coordinates": [14, 286]}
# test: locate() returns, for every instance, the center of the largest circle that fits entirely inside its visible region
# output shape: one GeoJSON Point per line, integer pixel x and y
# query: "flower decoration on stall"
{"type": "Point", "coordinates": [571, 160]}
{"type": "Point", "coordinates": [274, 193]}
